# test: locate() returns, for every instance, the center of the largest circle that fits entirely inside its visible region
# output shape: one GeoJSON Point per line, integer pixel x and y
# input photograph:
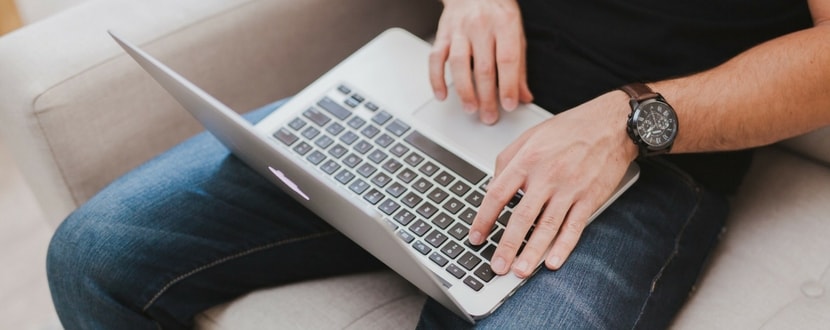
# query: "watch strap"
{"type": "Point", "coordinates": [639, 91]}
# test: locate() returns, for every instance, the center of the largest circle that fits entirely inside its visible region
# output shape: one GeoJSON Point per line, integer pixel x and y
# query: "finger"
{"type": "Point", "coordinates": [499, 192]}
{"type": "Point", "coordinates": [547, 225]}
{"type": "Point", "coordinates": [525, 96]}
{"type": "Point", "coordinates": [459, 59]}
{"type": "Point", "coordinates": [524, 215]}
{"type": "Point", "coordinates": [484, 68]}
{"type": "Point", "coordinates": [509, 53]}
{"type": "Point", "coordinates": [437, 59]}
{"type": "Point", "coordinates": [569, 234]}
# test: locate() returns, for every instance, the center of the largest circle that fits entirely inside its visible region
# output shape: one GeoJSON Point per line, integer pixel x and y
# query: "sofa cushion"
{"type": "Point", "coordinates": [772, 267]}
{"type": "Point", "coordinates": [378, 300]}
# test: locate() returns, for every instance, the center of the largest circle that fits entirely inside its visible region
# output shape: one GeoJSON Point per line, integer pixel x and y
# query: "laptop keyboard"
{"type": "Point", "coordinates": [429, 195]}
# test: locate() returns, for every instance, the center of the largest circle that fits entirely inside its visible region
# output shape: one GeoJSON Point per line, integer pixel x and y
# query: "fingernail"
{"type": "Point", "coordinates": [475, 238]}
{"type": "Point", "coordinates": [489, 119]}
{"type": "Point", "coordinates": [441, 95]}
{"type": "Point", "coordinates": [555, 261]}
{"type": "Point", "coordinates": [509, 104]}
{"type": "Point", "coordinates": [521, 267]}
{"type": "Point", "coordinates": [498, 265]}
{"type": "Point", "coordinates": [469, 108]}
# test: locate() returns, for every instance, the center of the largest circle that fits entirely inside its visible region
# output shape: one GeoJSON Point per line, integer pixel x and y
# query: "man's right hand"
{"type": "Point", "coordinates": [484, 43]}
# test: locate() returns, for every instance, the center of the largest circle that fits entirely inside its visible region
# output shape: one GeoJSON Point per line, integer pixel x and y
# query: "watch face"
{"type": "Point", "coordinates": [656, 123]}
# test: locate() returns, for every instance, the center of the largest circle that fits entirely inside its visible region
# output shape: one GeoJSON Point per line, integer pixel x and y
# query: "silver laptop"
{"type": "Point", "coordinates": [370, 150]}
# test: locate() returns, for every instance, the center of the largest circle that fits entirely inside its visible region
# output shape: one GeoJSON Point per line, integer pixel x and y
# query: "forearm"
{"type": "Point", "coordinates": [771, 92]}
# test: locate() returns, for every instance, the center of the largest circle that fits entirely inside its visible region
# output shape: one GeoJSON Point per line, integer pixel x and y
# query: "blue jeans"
{"type": "Point", "coordinates": [195, 227]}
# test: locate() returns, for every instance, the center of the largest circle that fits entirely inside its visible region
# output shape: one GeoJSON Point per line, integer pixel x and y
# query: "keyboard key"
{"type": "Point", "coordinates": [438, 259]}
{"type": "Point", "coordinates": [392, 166]}
{"type": "Point", "coordinates": [411, 199]}
{"type": "Point", "coordinates": [359, 186]}
{"type": "Point", "coordinates": [316, 157]}
{"type": "Point", "coordinates": [407, 175]}
{"type": "Point", "coordinates": [396, 190]}
{"type": "Point", "coordinates": [468, 216]}
{"type": "Point", "coordinates": [381, 179]}
{"type": "Point", "coordinates": [460, 188]}
{"type": "Point", "coordinates": [389, 206]}
{"type": "Point", "coordinates": [488, 252]}
{"type": "Point", "coordinates": [504, 218]}
{"type": "Point", "coordinates": [303, 148]}
{"type": "Point", "coordinates": [475, 198]}
{"type": "Point", "coordinates": [398, 128]}
{"type": "Point", "coordinates": [436, 238]}
{"type": "Point", "coordinates": [373, 196]}
{"type": "Point", "coordinates": [370, 131]}
{"type": "Point", "coordinates": [419, 227]}
{"type": "Point", "coordinates": [366, 170]}
{"type": "Point", "coordinates": [445, 157]}
{"type": "Point", "coordinates": [404, 217]}
{"type": "Point", "coordinates": [452, 249]}
{"type": "Point", "coordinates": [469, 261]}
{"type": "Point", "coordinates": [384, 140]}
{"type": "Point", "coordinates": [456, 271]}
{"type": "Point", "coordinates": [473, 283]}
{"type": "Point", "coordinates": [445, 178]}
{"type": "Point", "coordinates": [344, 176]}
{"type": "Point", "coordinates": [497, 236]}
{"type": "Point", "coordinates": [399, 150]}
{"type": "Point", "coordinates": [453, 205]}
{"type": "Point", "coordinates": [351, 102]}
{"type": "Point", "coordinates": [429, 169]}
{"type": "Point", "coordinates": [352, 160]}
{"type": "Point", "coordinates": [335, 128]}
{"type": "Point", "coordinates": [349, 138]}
{"type": "Point", "coordinates": [437, 195]}
{"type": "Point", "coordinates": [285, 136]}
{"type": "Point", "coordinates": [338, 151]}
{"type": "Point", "coordinates": [330, 167]}
{"type": "Point", "coordinates": [363, 147]}
{"type": "Point", "coordinates": [310, 133]}
{"type": "Point", "coordinates": [358, 98]}
{"type": "Point", "coordinates": [422, 185]}
{"type": "Point", "coordinates": [515, 200]}
{"type": "Point", "coordinates": [371, 106]}
{"type": "Point", "coordinates": [406, 237]}
{"type": "Point", "coordinates": [377, 156]}
{"type": "Point", "coordinates": [297, 124]}
{"type": "Point", "coordinates": [324, 142]}
{"type": "Point", "coordinates": [459, 231]}
{"type": "Point", "coordinates": [427, 210]}
{"type": "Point", "coordinates": [413, 159]}
{"type": "Point", "coordinates": [356, 122]}
{"type": "Point", "coordinates": [333, 108]}
{"type": "Point", "coordinates": [422, 248]}
{"type": "Point", "coordinates": [484, 272]}
{"type": "Point", "coordinates": [343, 89]}
{"type": "Point", "coordinates": [316, 116]}
{"type": "Point", "coordinates": [443, 220]}
{"type": "Point", "coordinates": [381, 118]}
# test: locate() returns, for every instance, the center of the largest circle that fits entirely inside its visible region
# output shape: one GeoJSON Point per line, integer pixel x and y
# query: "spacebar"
{"type": "Point", "coordinates": [445, 157]}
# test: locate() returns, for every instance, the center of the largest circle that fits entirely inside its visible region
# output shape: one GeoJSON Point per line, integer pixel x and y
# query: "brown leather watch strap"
{"type": "Point", "coordinates": [639, 91]}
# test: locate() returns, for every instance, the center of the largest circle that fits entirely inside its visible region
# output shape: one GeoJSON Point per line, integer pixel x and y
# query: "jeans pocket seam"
{"type": "Point", "coordinates": [222, 260]}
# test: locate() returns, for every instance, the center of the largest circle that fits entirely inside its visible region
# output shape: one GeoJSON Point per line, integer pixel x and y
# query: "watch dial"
{"type": "Point", "coordinates": [656, 124]}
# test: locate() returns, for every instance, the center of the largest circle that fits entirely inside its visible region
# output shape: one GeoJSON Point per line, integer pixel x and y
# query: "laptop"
{"type": "Point", "coordinates": [369, 149]}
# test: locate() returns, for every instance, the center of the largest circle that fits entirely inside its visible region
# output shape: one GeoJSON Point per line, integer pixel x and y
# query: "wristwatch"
{"type": "Point", "coordinates": [652, 124]}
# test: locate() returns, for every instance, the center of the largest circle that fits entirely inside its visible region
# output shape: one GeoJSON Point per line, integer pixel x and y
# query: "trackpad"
{"type": "Point", "coordinates": [447, 122]}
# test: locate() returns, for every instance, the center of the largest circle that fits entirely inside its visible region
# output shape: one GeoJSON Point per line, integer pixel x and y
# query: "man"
{"type": "Point", "coordinates": [195, 227]}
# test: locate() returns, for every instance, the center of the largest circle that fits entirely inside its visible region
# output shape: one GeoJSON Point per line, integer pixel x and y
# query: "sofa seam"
{"type": "Point", "coordinates": [222, 260]}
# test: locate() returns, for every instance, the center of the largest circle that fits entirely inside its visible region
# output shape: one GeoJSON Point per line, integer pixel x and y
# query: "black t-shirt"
{"type": "Point", "coordinates": [579, 49]}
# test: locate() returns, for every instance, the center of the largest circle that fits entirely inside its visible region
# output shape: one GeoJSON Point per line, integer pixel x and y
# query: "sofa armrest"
{"type": "Point", "coordinates": [77, 113]}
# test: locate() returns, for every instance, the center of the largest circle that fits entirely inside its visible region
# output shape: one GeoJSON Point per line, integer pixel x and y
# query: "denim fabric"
{"type": "Point", "coordinates": [195, 227]}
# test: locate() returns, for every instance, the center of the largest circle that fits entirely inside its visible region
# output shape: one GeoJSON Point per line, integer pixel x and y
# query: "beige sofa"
{"type": "Point", "coordinates": [78, 113]}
